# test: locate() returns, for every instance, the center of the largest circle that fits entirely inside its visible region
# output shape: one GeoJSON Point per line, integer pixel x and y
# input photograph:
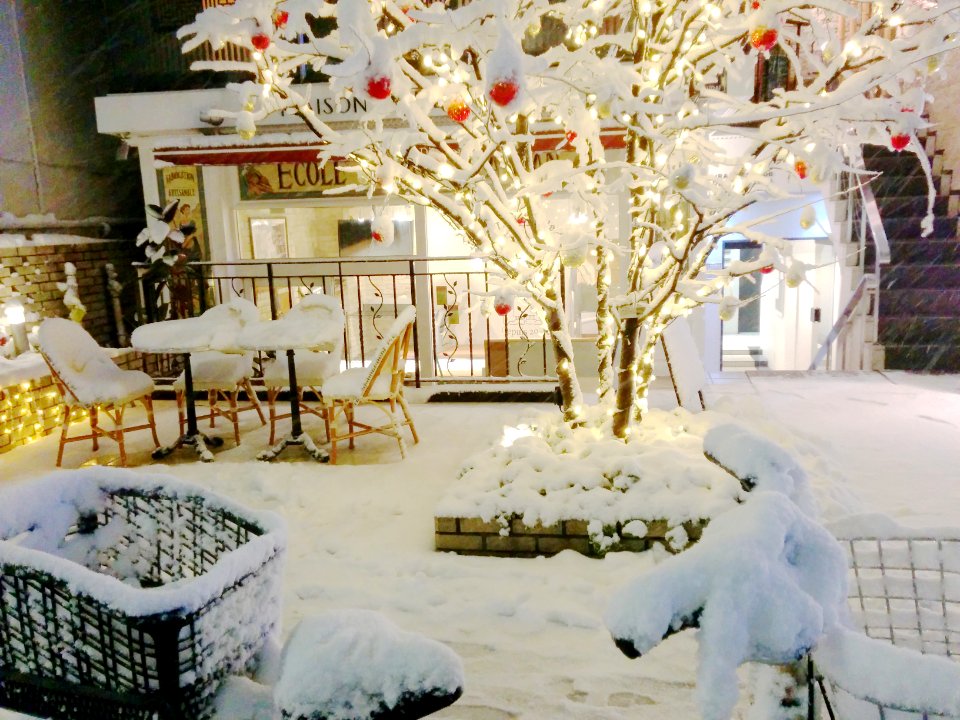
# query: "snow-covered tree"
{"type": "Point", "coordinates": [641, 97]}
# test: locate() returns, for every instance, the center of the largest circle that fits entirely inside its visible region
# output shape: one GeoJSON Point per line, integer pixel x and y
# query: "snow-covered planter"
{"type": "Point", "coordinates": [130, 595]}
{"type": "Point", "coordinates": [549, 485]}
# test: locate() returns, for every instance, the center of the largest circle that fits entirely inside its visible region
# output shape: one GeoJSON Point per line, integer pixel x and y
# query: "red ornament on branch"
{"type": "Point", "coordinates": [571, 136]}
{"type": "Point", "coordinates": [899, 141]}
{"type": "Point", "coordinates": [766, 269]}
{"type": "Point", "coordinates": [800, 167]}
{"type": "Point", "coordinates": [503, 92]}
{"type": "Point", "coordinates": [378, 87]}
{"type": "Point", "coordinates": [260, 41]}
{"type": "Point", "coordinates": [458, 111]}
{"type": "Point", "coordinates": [280, 18]}
{"type": "Point", "coordinates": [763, 38]}
{"type": "Point", "coordinates": [502, 306]}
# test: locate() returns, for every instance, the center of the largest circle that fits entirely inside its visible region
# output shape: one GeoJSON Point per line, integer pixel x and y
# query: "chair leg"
{"type": "Point", "coordinates": [326, 421]}
{"type": "Point", "coordinates": [332, 432]}
{"type": "Point", "coordinates": [235, 414]}
{"type": "Point", "coordinates": [406, 414]}
{"type": "Point", "coordinates": [63, 433]}
{"type": "Point", "coordinates": [95, 426]}
{"type": "Point", "coordinates": [118, 422]}
{"type": "Point", "coordinates": [395, 426]}
{"type": "Point", "coordinates": [248, 388]}
{"type": "Point", "coordinates": [272, 411]}
{"type": "Point", "coordinates": [348, 411]}
{"type": "Point", "coordinates": [151, 421]}
{"type": "Point", "coordinates": [212, 402]}
{"type": "Point", "coordinates": [180, 416]}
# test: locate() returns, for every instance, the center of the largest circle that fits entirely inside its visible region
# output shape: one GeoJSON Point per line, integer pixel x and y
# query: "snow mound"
{"type": "Point", "coordinates": [356, 664]}
{"type": "Point", "coordinates": [763, 584]}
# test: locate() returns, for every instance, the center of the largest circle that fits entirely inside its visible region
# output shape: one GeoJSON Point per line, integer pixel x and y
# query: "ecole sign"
{"type": "Point", "coordinates": [265, 181]}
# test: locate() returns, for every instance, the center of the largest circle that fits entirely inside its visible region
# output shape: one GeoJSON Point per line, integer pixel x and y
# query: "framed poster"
{"type": "Point", "coordinates": [184, 183]}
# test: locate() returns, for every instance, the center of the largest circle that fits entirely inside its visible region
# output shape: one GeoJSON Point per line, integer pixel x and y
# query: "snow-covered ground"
{"type": "Point", "coordinates": [530, 631]}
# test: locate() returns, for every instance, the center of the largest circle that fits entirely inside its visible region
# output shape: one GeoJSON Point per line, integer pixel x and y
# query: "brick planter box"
{"type": "Point", "coordinates": [474, 536]}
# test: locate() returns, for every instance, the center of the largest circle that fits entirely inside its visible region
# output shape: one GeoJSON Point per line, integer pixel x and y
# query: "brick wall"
{"type": "Point", "coordinates": [33, 271]}
{"type": "Point", "coordinates": [474, 536]}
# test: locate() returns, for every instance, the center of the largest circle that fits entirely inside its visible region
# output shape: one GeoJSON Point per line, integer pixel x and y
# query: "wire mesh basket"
{"type": "Point", "coordinates": [127, 597]}
{"type": "Point", "coordinates": [904, 590]}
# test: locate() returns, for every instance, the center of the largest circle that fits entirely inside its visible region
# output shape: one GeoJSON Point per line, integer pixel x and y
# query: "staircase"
{"type": "Point", "coordinates": [920, 288]}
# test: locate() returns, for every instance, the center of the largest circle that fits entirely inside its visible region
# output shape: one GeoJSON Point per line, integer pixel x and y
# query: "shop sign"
{"type": "Point", "coordinates": [264, 181]}
{"type": "Point", "coordinates": [183, 183]}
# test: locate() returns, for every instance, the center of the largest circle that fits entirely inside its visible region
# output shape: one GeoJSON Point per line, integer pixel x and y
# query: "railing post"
{"type": "Point", "coordinates": [416, 328]}
{"type": "Point", "coordinates": [271, 291]}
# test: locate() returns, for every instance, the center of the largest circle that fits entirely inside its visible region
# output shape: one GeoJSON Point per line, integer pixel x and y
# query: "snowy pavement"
{"type": "Point", "coordinates": [530, 631]}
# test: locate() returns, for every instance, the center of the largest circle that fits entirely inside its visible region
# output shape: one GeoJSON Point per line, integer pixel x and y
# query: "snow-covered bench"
{"type": "Point", "coordinates": [127, 595]}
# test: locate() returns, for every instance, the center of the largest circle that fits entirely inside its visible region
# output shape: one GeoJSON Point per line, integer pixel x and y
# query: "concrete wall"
{"type": "Point", "coordinates": [52, 65]}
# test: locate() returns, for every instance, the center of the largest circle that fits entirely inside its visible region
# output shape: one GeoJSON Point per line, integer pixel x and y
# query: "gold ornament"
{"type": "Point", "coordinates": [247, 133]}
{"type": "Point", "coordinates": [807, 218]}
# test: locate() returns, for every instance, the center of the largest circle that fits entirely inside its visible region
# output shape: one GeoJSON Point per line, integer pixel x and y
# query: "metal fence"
{"type": "Point", "coordinates": [458, 338]}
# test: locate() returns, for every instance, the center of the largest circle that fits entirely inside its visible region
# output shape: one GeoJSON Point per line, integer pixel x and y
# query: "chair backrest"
{"type": "Point", "coordinates": [324, 309]}
{"type": "Point", "coordinates": [76, 360]}
{"type": "Point", "coordinates": [391, 353]}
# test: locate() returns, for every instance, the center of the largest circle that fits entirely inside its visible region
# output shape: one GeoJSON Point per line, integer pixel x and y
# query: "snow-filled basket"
{"type": "Point", "coordinates": [126, 595]}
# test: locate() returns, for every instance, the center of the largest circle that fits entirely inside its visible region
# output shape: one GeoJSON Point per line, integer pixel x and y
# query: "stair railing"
{"type": "Point", "coordinates": [856, 330]}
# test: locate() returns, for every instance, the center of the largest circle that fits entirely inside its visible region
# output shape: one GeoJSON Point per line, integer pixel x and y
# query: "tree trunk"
{"type": "Point", "coordinates": [626, 380]}
{"type": "Point", "coordinates": [605, 337]}
{"type": "Point", "coordinates": [571, 397]}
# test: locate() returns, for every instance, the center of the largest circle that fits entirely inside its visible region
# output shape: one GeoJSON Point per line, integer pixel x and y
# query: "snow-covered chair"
{"type": "Point", "coordinates": [86, 378]}
{"type": "Point", "coordinates": [357, 664]}
{"type": "Point", "coordinates": [314, 367]}
{"type": "Point", "coordinates": [226, 369]}
{"type": "Point", "coordinates": [380, 384]}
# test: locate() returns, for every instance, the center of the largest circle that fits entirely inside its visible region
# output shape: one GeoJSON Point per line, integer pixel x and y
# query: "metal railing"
{"type": "Point", "coordinates": [851, 341]}
{"type": "Point", "coordinates": [458, 337]}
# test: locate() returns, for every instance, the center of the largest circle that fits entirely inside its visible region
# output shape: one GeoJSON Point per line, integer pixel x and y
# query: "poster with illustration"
{"type": "Point", "coordinates": [183, 183]}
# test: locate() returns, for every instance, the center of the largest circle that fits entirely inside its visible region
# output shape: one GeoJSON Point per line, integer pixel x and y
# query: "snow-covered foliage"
{"type": "Point", "coordinates": [652, 99]}
{"type": "Point", "coordinates": [543, 470]}
{"type": "Point", "coordinates": [356, 664]}
{"type": "Point", "coordinates": [764, 584]}
{"type": "Point", "coordinates": [71, 296]}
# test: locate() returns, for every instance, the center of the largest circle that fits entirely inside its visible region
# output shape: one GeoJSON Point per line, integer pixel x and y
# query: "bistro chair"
{"type": "Point", "coordinates": [87, 379]}
{"type": "Point", "coordinates": [225, 370]}
{"type": "Point", "coordinates": [380, 385]}
{"type": "Point", "coordinates": [313, 367]}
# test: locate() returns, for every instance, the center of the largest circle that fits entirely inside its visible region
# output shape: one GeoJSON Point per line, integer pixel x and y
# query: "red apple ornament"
{"type": "Point", "coordinates": [571, 136]}
{"type": "Point", "coordinates": [767, 269]}
{"type": "Point", "coordinates": [899, 141]}
{"type": "Point", "coordinates": [260, 41]}
{"type": "Point", "coordinates": [280, 18]}
{"type": "Point", "coordinates": [502, 306]}
{"type": "Point", "coordinates": [458, 111]}
{"type": "Point", "coordinates": [378, 87]}
{"type": "Point", "coordinates": [800, 167]}
{"type": "Point", "coordinates": [504, 91]}
{"type": "Point", "coordinates": [763, 38]}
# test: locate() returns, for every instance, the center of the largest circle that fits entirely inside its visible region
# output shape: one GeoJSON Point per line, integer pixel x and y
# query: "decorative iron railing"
{"type": "Point", "coordinates": [458, 338]}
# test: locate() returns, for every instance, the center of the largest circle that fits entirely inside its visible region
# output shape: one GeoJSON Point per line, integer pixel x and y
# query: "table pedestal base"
{"type": "Point", "coordinates": [198, 441]}
{"type": "Point", "coordinates": [318, 453]}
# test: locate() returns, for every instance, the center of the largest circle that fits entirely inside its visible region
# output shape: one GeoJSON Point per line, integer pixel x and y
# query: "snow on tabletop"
{"type": "Point", "coordinates": [315, 322]}
{"type": "Point", "coordinates": [883, 527]}
{"type": "Point", "coordinates": [347, 664]}
{"type": "Point", "coordinates": [763, 584]}
{"type": "Point", "coordinates": [35, 517]}
{"type": "Point", "coordinates": [888, 675]}
{"type": "Point", "coordinates": [216, 329]}
{"type": "Point", "coordinates": [544, 470]}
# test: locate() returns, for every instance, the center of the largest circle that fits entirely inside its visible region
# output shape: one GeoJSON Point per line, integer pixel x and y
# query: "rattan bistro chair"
{"type": "Point", "coordinates": [380, 384]}
{"type": "Point", "coordinates": [225, 370]}
{"type": "Point", "coordinates": [314, 367]}
{"type": "Point", "coordinates": [86, 378]}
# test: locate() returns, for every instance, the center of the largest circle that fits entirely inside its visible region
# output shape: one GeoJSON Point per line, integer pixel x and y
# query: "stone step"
{"type": "Point", "coordinates": [927, 358]}
{"type": "Point", "coordinates": [920, 330]}
{"type": "Point", "coordinates": [925, 252]}
{"type": "Point", "coordinates": [903, 185]}
{"type": "Point", "coordinates": [920, 276]}
{"type": "Point", "coordinates": [904, 163]}
{"type": "Point", "coordinates": [920, 302]}
{"type": "Point", "coordinates": [907, 228]}
{"type": "Point", "coordinates": [896, 206]}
